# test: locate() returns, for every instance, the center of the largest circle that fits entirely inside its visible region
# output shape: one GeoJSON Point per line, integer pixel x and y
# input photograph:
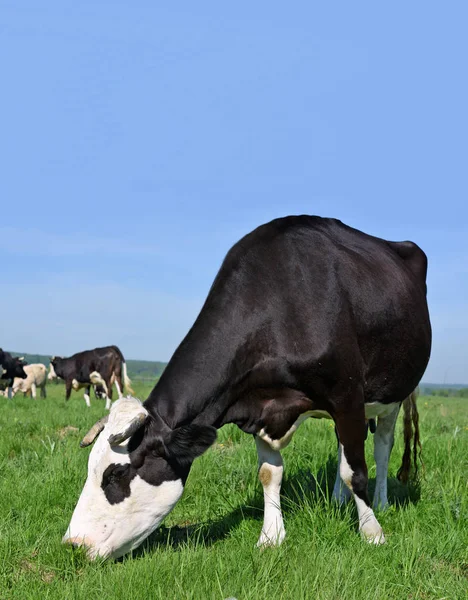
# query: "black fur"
{"type": "Point", "coordinates": [305, 314]}
{"type": "Point", "coordinates": [116, 482]}
{"type": "Point", "coordinates": [186, 443]}
{"type": "Point", "coordinates": [158, 454]}
{"type": "Point", "coordinates": [12, 366]}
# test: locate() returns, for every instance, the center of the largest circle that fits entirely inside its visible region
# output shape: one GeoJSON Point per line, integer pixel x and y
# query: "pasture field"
{"type": "Point", "coordinates": [206, 547]}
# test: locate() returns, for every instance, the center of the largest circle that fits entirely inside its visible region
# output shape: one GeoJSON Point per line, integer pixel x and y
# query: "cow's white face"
{"type": "Point", "coordinates": [52, 374]}
{"type": "Point", "coordinates": [136, 474]}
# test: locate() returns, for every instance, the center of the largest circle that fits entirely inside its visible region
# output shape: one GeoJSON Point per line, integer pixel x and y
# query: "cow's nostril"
{"type": "Point", "coordinates": [75, 542]}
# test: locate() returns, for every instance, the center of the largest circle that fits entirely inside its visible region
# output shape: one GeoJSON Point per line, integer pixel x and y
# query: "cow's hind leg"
{"type": "Point", "coordinates": [109, 395]}
{"type": "Point", "coordinates": [351, 428]}
{"type": "Point", "coordinates": [341, 492]}
{"type": "Point", "coordinates": [33, 390]}
{"type": "Point", "coordinates": [270, 473]}
{"type": "Point", "coordinates": [97, 379]}
{"type": "Point", "coordinates": [43, 391]}
{"type": "Point", "coordinates": [86, 396]}
{"type": "Point", "coordinates": [119, 384]}
{"type": "Point", "coordinates": [383, 444]}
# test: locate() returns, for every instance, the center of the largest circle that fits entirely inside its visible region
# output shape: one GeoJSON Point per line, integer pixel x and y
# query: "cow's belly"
{"type": "Point", "coordinates": [372, 411]}
{"type": "Point", "coordinates": [76, 385]}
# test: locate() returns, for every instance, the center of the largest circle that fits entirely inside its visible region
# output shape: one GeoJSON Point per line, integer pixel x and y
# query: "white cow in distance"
{"type": "Point", "coordinates": [36, 378]}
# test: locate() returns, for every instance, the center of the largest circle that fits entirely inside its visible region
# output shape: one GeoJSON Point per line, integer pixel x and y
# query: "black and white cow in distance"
{"type": "Point", "coordinates": [101, 367]}
{"type": "Point", "coordinates": [10, 368]}
{"type": "Point", "coordinates": [306, 318]}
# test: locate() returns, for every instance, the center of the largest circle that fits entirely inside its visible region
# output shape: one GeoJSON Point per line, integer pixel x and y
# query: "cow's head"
{"type": "Point", "coordinates": [17, 368]}
{"type": "Point", "coordinates": [136, 473]}
{"type": "Point", "coordinates": [54, 362]}
{"type": "Point", "coordinates": [100, 392]}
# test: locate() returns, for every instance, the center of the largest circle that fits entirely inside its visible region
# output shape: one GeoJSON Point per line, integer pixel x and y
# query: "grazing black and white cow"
{"type": "Point", "coordinates": [306, 318]}
{"type": "Point", "coordinates": [101, 367]}
{"type": "Point", "coordinates": [10, 368]}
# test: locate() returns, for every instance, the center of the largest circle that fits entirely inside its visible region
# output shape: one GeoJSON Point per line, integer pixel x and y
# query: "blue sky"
{"type": "Point", "coordinates": [141, 140]}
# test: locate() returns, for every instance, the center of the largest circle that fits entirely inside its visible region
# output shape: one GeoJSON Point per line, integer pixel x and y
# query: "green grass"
{"type": "Point", "coordinates": [206, 547]}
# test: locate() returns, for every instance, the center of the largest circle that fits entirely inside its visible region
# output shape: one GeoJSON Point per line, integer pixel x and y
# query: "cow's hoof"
{"type": "Point", "coordinates": [373, 537]}
{"type": "Point", "coordinates": [270, 541]}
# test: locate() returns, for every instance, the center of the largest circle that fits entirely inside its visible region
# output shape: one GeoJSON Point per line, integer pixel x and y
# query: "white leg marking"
{"type": "Point", "coordinates": [33, 390]}
{"type": "Point", "coordinates": [369, 527]}
{"type": "Point", "coordinates": [270, 474]}
{"type": "Point", "coordinates": [119, 391]}
{"type": "Point", "coordinates": [108, 403]}
{"type": "Point", "coordinates": [383, 444]}
{"type": "Point", "coordinates": [87, 400]}
{"type": "Point", "coordinates": [341, 493]}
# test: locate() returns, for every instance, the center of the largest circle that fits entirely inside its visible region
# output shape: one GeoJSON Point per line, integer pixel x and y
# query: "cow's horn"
{"type": "Point", "coordinates": [135, 423]}
{"type": "Point", "coordinates": [94, 432]}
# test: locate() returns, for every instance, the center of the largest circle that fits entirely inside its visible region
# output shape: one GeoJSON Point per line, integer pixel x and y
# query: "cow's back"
{"type": "Point", "coordinates": [38, 372]}
{"type": "Point", "coordinates": [331, 303]}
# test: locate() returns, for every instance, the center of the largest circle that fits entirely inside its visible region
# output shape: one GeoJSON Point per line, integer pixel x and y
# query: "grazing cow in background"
{"type": "Point", "coordinates": [101, 367]}
{"type": "Point", "coordinates": [11, 368]}
{"type": "Point", "coordinates": [36, 378]}
{"type": "Point", "coordinates": [306, 318]}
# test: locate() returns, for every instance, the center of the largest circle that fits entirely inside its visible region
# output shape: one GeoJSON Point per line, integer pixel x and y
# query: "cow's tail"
{"type": "Point", "coordinates": [127, 382]}
{"type": "Point", "coordinates": [412, 453]}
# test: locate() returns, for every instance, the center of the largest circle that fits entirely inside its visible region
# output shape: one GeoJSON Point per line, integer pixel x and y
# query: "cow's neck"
{"type": "Point", "coordinates": [198, 384]}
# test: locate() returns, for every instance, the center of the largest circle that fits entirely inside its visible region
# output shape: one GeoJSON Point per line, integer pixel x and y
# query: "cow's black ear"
{"type": "Point", "coordinates": [184, 444]}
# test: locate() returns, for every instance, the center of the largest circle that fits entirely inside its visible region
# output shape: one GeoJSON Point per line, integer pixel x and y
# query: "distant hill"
{"type": "Point", "coordinates": [427, 388]}
{"type": "Point", "coordinates": [145, 370]}
{"type": "Point", "coordinates": [148, 370]}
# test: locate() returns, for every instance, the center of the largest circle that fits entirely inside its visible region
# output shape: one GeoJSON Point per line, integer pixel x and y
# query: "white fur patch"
{"type": "Point", "coordinates": [76, 385]}
{"type": "Point", "coordinates": [112, 530]}
{"type": "Point", "coordinates": [52, 374]}
{"type": "Point", "coordinates": [369, 527]}
{"type": "Point", "coordinates": [284, 441]}
{"type": "Point", "coordinates": [270, 474]}
{"type": "Point", "coordinates": [115, 529]}
{"type": "Point", "coordinates": [96, 379]}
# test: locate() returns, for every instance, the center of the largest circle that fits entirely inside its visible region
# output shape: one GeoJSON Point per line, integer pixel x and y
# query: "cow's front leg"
{"type": "Point", "coordinates": [270, 473]}
{"type": "Point", "coordinates": [351, 429]}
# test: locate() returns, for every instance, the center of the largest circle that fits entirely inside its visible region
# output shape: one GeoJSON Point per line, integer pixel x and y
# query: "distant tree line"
{"type": "Point", "coordinates": [445, 392]}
